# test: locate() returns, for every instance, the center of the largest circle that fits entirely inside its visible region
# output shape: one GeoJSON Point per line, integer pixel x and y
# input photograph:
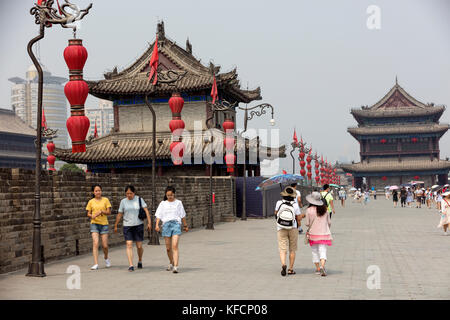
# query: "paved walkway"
{"type": "Point", "coordinates": [240, 261]}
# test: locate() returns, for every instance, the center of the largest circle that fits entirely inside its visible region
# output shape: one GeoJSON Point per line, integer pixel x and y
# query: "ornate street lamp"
{"type": "Point", "coordinates": [45, 17]}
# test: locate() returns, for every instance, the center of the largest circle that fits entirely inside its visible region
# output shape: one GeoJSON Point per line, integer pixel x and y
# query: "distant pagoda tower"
{"type": "Point", "coordinates": [399, 142]}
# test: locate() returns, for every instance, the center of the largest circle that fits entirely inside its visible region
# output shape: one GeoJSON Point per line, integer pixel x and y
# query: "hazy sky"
{"type": "Point", "coordinates": [314, 60]}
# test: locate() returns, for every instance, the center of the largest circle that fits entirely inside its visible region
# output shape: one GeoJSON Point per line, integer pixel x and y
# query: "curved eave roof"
{"type": "Point", "coordinates": [389, 166]}
{"type": "Point", "coordinates": [400, 129]}
{"type": "Point", "coordinates": [118, 147]}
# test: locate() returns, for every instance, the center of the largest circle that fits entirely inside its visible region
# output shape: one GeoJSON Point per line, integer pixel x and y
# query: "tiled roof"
{"type": "Point", "coordinates": [134, 79]}
{"type": "Point", "coordinates": [404, 112]}
{"type": "Point", "coordinates": [394, 165]}
{"type": "Point", "coordinates": [11, 123]}
{"type": "Point", "coordinates": [138, 146]}
{"type": "Point", "coordinates": [400, 129]}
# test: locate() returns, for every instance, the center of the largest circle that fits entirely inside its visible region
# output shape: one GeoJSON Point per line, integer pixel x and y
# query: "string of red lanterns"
{"type": "Point", "coordinates": [230, 158]}
{"type": "Point", "coordinates": [176, 125]}
{"type": "Point", "coordinates": [76, 91]}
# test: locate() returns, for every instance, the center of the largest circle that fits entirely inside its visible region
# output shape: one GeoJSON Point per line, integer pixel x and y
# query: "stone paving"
{"type": "Point", "coordinates": [239, 260]}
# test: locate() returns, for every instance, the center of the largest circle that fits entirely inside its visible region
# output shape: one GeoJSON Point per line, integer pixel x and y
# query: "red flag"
{"type": "Point", "coordinates": [95, 130]}
{"type": "Point", "coordinates": [295, 137]}
{"type": "Point", "coordinates": [59, 8]}
{"type": "Point", "coordinates": [214, 93]}
{"type": "Point", "coordinates": [44, 122]}
{"type": "Point", "coordinates": [154, 63]}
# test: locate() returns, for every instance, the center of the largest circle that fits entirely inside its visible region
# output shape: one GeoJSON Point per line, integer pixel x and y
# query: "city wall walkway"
{"type": "Point", "coordinates": [239, 260]}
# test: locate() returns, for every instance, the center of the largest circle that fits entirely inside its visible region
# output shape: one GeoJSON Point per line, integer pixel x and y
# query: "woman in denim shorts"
{"type": "Point", "coordinates": [133, 227]}
{"type": "Point", "coordinates": [171, 213]}
{"type": "Point", "coordinates": [98, 208]}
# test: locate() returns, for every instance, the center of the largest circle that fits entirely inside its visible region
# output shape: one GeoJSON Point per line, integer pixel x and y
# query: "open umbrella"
{"type": "Point", "coordinates": [280, 179]}
{"type": "Point", "coordinates": [387, 187]}
{"type": "Point", "coordinates": [334, 185]}
{"type": "Point", "coordinates": [393, 188]}
{"type": "Point", "coordinates": [353, 189]}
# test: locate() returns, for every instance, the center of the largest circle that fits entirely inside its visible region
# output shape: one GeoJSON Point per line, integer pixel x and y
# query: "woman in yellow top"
{"type": "Point", "coordinates": [98, 208]}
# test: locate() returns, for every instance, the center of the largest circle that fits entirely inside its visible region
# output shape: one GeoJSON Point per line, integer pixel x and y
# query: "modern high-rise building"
{"type": "Point", "coordinates": [103, 116]}
{"type": "Point", "coordinates": [24, 95]}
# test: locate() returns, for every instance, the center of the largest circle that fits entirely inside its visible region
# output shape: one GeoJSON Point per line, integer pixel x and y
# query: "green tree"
{"type": "Point", "coordinates": [71, 167]}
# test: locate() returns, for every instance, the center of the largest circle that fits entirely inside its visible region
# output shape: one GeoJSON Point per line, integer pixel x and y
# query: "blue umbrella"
{"type": "Point", "coordinates": [280, 179]}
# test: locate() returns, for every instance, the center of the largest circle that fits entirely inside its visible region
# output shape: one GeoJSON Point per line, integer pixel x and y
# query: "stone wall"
{"type": "Point", "coordinates": [65, 226]}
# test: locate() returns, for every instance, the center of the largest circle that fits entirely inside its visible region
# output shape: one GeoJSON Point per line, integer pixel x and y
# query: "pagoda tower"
{"type": "Point", "coordinates": [399, 142]}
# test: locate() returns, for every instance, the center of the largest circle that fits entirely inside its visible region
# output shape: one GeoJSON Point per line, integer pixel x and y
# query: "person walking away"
{"type": "Point", "coordinates": [395, 197]}
{"type": "Point", "coordinates": [409, 197]}
{"type": "Point", "coordinates": [326, 194]}
{"type": "Point", "coordinates": [445, 212]}
{"type": "Point", "coordinates": [342, 196]}
{"type": "Point", "coordinates": [403, 196]}
{"type": "Point", "coordinates": [171, 213]}
{"type": "Point", "coordinates": [366, 197]}
{"type": "Point", "coordinates": [428, 197]}
{"type": "Point", "coordinates": [133, 226]}
{"type": "Point", "coordinates": [288, 217]}
{"type": "Point", "coordinates": [387, 194]}
{"type": "Point", "coordinates": [98, 208]}
{"type": "Point", "coordinates": [318, 221]}
{"type": "Point", "coordinates": [439, 200]}
{"type": "Point", "coordinates": [298, 199]}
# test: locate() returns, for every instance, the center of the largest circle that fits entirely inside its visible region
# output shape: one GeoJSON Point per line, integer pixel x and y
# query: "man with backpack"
{"type": "Point", "coordinates": [326, 194]}
{"type": "Point", "coordinates": [288, 217]}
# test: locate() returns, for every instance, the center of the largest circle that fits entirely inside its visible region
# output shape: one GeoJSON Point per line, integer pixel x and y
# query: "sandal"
{"type": "Point", "coordinates": [291, 271]}
{"type": "Point", "coordinates": [283, 270]}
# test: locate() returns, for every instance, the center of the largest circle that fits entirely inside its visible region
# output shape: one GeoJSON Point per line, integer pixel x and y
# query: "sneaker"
{"type": "Point", "coordinates": [170, 267]}
{"type": "Point", "coordinates": [94, 267]}
{"type": "Point", "coordinates": [175, 269]}
{"type": "Point", "coordinates": [139, 265]}
{"type": "Point", "coordinates": [108, 263]}
{"type": "Point", "coordinates": [323, 272]}
{"type": "Point", "coordinates": [131, 268]}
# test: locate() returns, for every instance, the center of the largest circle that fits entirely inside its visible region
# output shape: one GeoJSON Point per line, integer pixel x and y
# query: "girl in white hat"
{"type": "Point", "coordinates": [445, 212]}
{"type": "Point", "coordinates": [319, 235]}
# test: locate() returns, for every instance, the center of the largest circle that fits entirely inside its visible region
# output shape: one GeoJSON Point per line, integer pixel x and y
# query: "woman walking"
{"type": "Point", "coordinates": [319, 235]}
{"type": "Point", "coordinates": [445, 212]}
{"type": "Point", "coordinates": [98, 208]}
{"type": "Point", "coordinates": [409, 198]}
{"type": "Point", "coordinates": [133, 227]}
{"type": "Point", "coordinates": [395, 197]}
{"type": "Point", "coordinates": [171, 212]}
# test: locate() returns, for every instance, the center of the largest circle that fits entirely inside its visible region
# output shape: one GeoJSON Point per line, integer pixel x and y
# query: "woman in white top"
{"type": "Point", "coordinates": [171, 213]}
{"type": "Point", "coordinates": [445, 212]}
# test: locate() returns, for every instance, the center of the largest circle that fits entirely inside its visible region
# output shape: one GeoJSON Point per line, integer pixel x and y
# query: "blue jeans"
{"type": "Point", "coordinates": [171, 228]}
{"type": "Point", "coordinates": [99, 228]}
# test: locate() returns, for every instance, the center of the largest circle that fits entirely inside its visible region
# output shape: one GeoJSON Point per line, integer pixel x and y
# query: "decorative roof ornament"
{"type": "Point", "coordinates": [188, 46]}
{"type": "Point", "coordinates": [160, 30]}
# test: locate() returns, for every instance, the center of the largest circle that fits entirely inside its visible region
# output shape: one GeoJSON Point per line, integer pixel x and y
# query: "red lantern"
{"type": "Point", "coordinates": [230, 159]}
{"type": "Point", "coordinates": [383, 141]}
{"type": "Point", "coordinates": [302, 172]}
{"type": "Point", "coordinates": [75, 55]}
{"type": "Point", "coordinates": [78, 127]}
{"type": "Point", "coordinates": [50, 147]}
{"type": "Point", "coordinates": [416, 177]}
{"type": "Point", "coordinates": [51, 161]}
{"type": "Point", "coordinates": [228, 124]}
{"type": "Point", "coordinates": [176, 124]}
{"type": "Point", "coordinates": [309, 174]}
{"type": "Point", "coordinates": [414, 140]}
{"type": "Point", "coordinates": [317, 179]}
{"type": "Point", "coordinates": [176, 103]}
{"type": "Point", "coordinates": [177, 151]}
{"type": "Point", "coordinates": [76, 91]}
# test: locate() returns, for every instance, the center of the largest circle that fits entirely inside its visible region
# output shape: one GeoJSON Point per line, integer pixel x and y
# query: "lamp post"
{"type": "Point", "coordinates": [45, 16]}
{"type": "Point", "coordinates": [227, 106]}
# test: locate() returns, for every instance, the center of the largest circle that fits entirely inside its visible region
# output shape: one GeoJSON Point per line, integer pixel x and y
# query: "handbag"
{"type": "Point", "coordinates": [142, 215]}
{"type": "Point", "coordinates": [307, 232]}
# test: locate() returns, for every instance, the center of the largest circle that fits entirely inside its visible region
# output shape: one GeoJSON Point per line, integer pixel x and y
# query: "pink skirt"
{"type": "Point", "coordinates": [326, 242]}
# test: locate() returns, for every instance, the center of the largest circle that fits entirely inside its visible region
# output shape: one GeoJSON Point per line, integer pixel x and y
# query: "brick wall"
{"type": "Point", "coordinates": [65, 226]}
